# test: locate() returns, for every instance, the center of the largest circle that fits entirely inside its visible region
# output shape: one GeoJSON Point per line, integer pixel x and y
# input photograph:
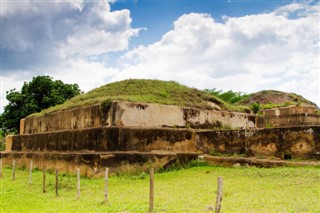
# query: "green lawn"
{"type": "Point", "coordinates": [188, 190]}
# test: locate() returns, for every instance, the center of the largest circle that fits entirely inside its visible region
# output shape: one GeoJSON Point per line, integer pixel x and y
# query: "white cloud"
{"type": "Point", "coordinates": [100, 31]}
{"type": "Point", "coordinates": [276, 50]}
{"type": "Point", "coordinates": [14, 81]}
{"type": "Point", "coordinates": [289, 9]}
{"type": "Point", "coordinates": [61, 38]}
{"type": "Point", "coordinates": [87, 75]}
{"type": "Point", "coordinates": [250, 53]}
{"type": "Point", "coordinates": [38, 34]}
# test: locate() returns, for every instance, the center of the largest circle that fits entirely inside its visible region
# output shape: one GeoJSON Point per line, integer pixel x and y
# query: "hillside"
{"type": "Point", "coordinates": [147, 91]}
{"type": "Point", "coordinates": [173, 93]}
{"type": "Point", "coordinates": [274, 98]}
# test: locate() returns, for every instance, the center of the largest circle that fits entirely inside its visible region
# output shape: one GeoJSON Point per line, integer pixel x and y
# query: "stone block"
{"type": "Point", "coordinates": [22, 121]}
{"type": "Point", "coordinates": [9, 142]}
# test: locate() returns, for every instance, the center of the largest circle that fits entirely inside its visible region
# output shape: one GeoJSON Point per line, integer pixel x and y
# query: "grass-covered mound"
{"type": "Point", "coordinates": [146, 91]}
{"type": "Point", "coordinates": [273, 98]}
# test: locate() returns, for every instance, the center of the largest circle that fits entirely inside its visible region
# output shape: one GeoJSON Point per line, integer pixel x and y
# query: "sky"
{"type": "Point", "coordinates": [246, 46]}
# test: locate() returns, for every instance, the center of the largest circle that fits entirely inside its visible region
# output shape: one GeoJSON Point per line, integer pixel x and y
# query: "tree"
{"type": "Point", "coordinates": [41, 93]}
{"type": "Point", "coordinates": [229, 96]}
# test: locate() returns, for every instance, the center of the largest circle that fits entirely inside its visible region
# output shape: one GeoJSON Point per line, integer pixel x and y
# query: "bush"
{"type": "Point", "coordinates": [106, 104]}
{"type": "Point", "coordinates": [255, 107]}
{"type": "Point", "coordinates": [2, 145]}
{"type": "Point", "coordinates": [2, 141]}
{"type": "Point", "coordinates": [179, 166]}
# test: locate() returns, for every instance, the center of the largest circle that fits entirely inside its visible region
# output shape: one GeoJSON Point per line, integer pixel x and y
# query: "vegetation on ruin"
{"type": "Point", "coordinates": [147, 91]}
{"type": "Point", "coordinates": [135, 90]}
{"type": "Point", "coordinates": [286, 189]}
{"type": "Point", "coordinates": [230, 96]}
{"type": "Point", "coordinates": [2, 141]}
{"type": "Point", "coordinates": [268, 99]}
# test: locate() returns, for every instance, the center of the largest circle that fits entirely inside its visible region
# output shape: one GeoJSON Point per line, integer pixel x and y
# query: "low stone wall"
{"type": "Point", "coordinates": [94, 164]}
{"type": "Point", "coordinates": [290, 120]}
{"type": "Point", "coordinates": [290, 110]}
{"type": "Point", "coordinates": [296, 142]}
{"type": "Point", "coordinates": [106, 139]}
{"type": "Point", "coordinates": [79, 118]}
{"type": "Point", "coordinates": [289, 117]}
{"type": "Point", "coordinates": [129, 114]}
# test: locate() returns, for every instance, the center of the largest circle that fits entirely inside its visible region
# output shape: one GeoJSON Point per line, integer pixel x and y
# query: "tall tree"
{"type": "Point", "coordinates": [41, 93]}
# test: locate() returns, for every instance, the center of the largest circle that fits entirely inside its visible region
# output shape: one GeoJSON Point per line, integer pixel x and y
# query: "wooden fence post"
{"type": "Point", "coordinates": [57, 182]}
{"type": "Point", "coordinates": [30, 172]}
{"type": "Point", "coordinates": [78, 183]}
{"type": "Point", "coordinates": [0, 167]}
{"type": "Point", "coordinates": [219, 195]}
{"type": "Point", "coordinates": [106, 178]}
{"type": "Point", "coordinates": [44, 179]}
{"type": "Point", "coordinates": [151, 190]}
{"type": "Point", "coordinates": [14, 169]}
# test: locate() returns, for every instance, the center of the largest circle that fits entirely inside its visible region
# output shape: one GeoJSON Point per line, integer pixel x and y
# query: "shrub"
{"type": "Point", "coordinates": [106, 104]}
{"type": "Point", "coordinates": [255, 107]}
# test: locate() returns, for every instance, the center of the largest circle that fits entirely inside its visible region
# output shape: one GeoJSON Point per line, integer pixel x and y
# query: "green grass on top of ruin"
{"type": "Point", "coordinates": [146, 91]}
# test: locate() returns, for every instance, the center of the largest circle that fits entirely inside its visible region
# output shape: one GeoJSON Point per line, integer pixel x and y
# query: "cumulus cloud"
{"type": "Point", "coordinates": [87, 75]}
{"type": "Point", "coordinates": [276, 50]}
{"type": "Point", "coordinates": [45, 33]}
{"type": "Point", "coordinates": [62, 39]}
{"type": "Point", "coordinates": [71, 41]}
{"type": "Point", "coordinates": [100, 31]}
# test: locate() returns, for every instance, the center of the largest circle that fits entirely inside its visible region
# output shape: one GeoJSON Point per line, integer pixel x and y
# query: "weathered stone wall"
{"type": "Point", "coordinates": [106, 139]}
{"type": "Point", "coordinates": [156, 115]}
{"type": "Point", "coordinates": [94, 164]}
{"type": "Point", "coordinates": [291, 110]}
{"type": "Point", "coordinates": [136, 115]}
{"type": "Point", "coordinates": [79, 118]}
{"type": "Point", "coordinates": [297, 142]}
{"type": "Point", "coordinates": [289, 116]}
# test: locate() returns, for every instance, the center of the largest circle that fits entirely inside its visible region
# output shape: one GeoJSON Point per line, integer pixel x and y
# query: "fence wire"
{"type": "Point", "coordinates": [125, 193]}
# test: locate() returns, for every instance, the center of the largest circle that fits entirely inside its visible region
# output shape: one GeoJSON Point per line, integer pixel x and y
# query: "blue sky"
{"type": "Point", "coordinates": [158, 16]}
{"type": "Point", "coordinates": [240, 45]}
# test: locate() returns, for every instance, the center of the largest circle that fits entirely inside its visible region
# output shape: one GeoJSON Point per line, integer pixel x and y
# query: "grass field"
{"type": "Point", "coordinates": [187, 190]}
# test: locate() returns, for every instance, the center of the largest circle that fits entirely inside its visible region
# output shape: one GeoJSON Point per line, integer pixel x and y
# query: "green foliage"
{"type": "Point", "coordinates": [255, 107]}
{"type": "Point", "coordinates": [106, 104]}
{"type": "Point", "coordinates": [269, 126]}
{"type": "Point", "coordinates": [237, 108]}
{"type": "Point", "coordinates": [272, 105]}
{"type": "Point", "coordinates": [2, 141]}
{"type": "Point", "coordinates": [141, 90]}
{"type": "Point", "coordinates": [42, 92]}
{"type": "Point", "coordinates": [140, 176]}
{"type": "Point", "coordinates": [177, 165]}
{"type": "Point", "coordinates": [229, 96]}
{"type": "Point", "coordinates": [197, 163]}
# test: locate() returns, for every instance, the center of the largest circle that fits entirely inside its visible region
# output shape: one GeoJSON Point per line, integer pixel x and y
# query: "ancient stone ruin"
{"type": "Point", "coordinates": [94, 137]}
